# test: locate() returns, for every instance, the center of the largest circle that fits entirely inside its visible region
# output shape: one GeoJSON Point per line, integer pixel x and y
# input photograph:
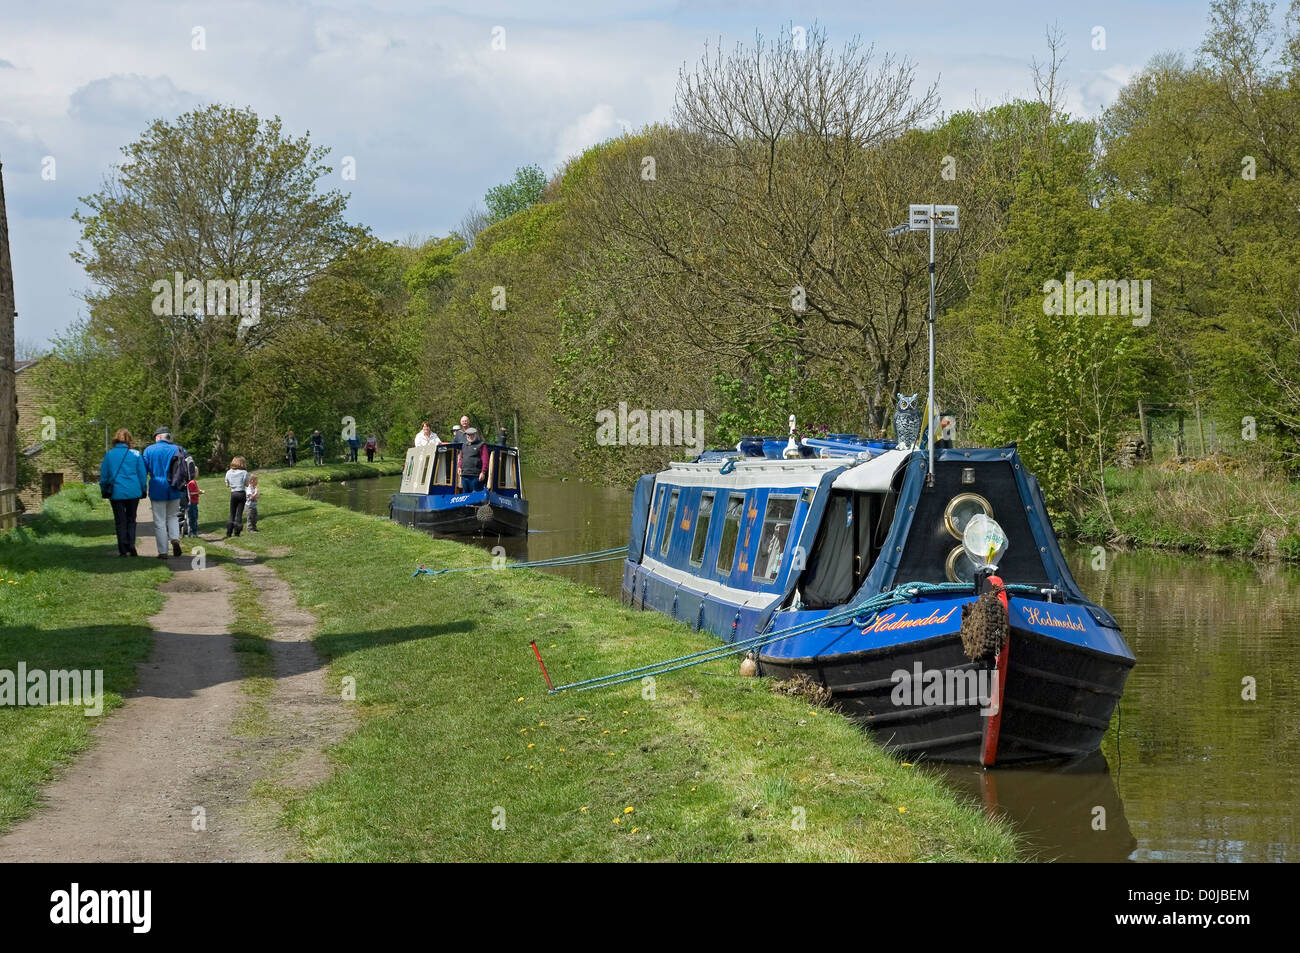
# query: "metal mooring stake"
{"type": "Point", "coordinates": [545, 674]}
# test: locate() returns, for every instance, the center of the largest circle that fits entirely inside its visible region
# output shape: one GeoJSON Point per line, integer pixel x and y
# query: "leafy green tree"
{"type": "Point", "coordinates": [219, 194]}
{"type": "Point", "coordinates": [519, 193]}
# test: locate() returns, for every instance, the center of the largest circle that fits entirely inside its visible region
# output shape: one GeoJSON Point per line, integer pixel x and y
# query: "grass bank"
{"type": "Point", "coordinates": [67, 602]}
{"type": "Point", "coordinates": [1210, 507]}
{"type": "Point", "coordinates": [307, 474]}
{"type": "Point", "coordinates": [461, 754]}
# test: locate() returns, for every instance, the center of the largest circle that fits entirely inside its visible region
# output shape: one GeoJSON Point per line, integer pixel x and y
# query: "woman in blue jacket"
{"type": "Point", "coordinates": [123, 469]}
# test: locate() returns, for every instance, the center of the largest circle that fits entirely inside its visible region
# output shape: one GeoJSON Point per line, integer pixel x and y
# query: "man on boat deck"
{"type": "Point", "coordinates": [473, 461]}
{"type": "Point", "coordinates": [457, 436]}
{"type": "Point", "coordinates": [426, 436]}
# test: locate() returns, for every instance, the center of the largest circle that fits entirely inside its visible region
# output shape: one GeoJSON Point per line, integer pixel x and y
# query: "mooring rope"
{"type": "Point", "coordinates": [576, 559]}
{"type": "Point", "coordinates": [860, 614]}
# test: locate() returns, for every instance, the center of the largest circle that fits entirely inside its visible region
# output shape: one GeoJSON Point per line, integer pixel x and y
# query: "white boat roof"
{"type": "Point", "coordinates": [756, 471]}
{"type": "Point", "coordinates": [874, 476]}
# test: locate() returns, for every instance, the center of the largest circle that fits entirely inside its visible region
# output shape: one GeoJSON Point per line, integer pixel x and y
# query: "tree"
{"type": "Point", "coordinates": [516, 195]}
{"type": "Point", "coordinates": [218, 195]}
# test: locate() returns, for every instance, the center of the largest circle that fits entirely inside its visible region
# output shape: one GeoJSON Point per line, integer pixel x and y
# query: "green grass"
{"type": "Point", "coordinates": [67, 601]}
{"type": "Point", "coordinates": [1239, 511]}
{"type": "Point", "coordinates": [251, 631]}
{"type": "Point", "coordinates": [306, 474]}
{"type": "Point", "coordinates": [456, 728]}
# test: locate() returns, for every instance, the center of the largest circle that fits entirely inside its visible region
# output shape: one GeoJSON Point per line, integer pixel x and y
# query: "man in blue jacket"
{"type": "Point", "coordinates": [122, 470]}
{"type": "Point", "coordinates": [163, 500]}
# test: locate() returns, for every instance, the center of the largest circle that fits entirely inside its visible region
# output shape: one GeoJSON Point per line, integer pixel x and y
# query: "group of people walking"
{"type": "Point", "coordinates": [167, 475]}
{"type": "Point", "coordinates": [317, 443]}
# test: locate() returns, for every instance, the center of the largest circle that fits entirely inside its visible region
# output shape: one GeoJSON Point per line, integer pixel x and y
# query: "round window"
{"type": "Point", "coordinates": [961, 508]}
{"type": "Point", "coordinates": [959, 567]}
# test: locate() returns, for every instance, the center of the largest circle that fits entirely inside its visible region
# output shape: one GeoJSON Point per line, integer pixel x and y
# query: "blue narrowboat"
{"type": "Point", "coordinates": [780, 542]}
{"type": "Point", "coordinates": [432, 498]}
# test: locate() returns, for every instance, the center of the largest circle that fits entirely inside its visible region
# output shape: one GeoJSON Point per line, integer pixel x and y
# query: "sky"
{"type": "Point", "coordinates": [432, 114]}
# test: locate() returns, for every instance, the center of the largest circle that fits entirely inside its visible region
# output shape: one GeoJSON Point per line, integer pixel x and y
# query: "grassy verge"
{"type": "Point", "coordinates": [306, 474]}
{"type": "Point", "coordinates": [67, 601]}
{"type": "Point", "coordinates": [251, 631]}
{"type": "Point", "coordinates": [1242, 512]}
{"type": "Point", "coordinates": [461, 754]}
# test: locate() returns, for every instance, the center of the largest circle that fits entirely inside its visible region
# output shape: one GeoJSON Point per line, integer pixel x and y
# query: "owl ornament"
{"type": "Point", "coordinates": [907, 423]}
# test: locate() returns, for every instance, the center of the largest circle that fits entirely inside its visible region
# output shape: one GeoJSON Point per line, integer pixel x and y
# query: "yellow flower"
{"type": "Point", "coordinates": [906, 764]}
{"type": "Point", "coordinates": [635, 829]}
{"type": "Point", "coordinates": [530, 744]}
{"type": "Point", "coordinates": [623, 732]}
{"type": "Point", "coordinates": [618, 820]}
{"type": "Point", "coordinates": [628, 810]}
{"type": "Point", "coordinates": [582, 810]}
{"type": "Point", "coordinates": [520, 698]}
{"type": "Point", "coordinates": [902, 810]}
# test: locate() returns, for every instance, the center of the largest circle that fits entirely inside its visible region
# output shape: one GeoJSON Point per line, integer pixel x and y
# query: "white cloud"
{"type": "Point", "coordinates": [118, 100]}
{"type": "Point", "coordinates": [596, 125]}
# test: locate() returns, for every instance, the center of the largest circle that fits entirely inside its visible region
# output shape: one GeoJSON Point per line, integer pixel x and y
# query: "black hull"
{"type": "Point", "coordinates": [1058, 698]}
{"type": "Point", "coordinates": [463, 521]}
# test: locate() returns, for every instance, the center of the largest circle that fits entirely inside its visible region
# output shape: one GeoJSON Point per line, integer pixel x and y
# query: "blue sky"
{"type": "Point", "coordinates": [431, 113]}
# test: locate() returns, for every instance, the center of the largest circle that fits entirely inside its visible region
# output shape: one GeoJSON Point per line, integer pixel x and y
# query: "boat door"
{"type": "Point", "coordinates": [845, 549]}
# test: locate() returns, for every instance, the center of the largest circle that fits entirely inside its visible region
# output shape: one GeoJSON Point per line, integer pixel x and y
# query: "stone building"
{"type": "Point", "coordinates": [53, 469]}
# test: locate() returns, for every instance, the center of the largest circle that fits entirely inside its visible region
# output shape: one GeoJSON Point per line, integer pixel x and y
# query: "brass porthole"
{"type": "Point", "coordinates": [961, 508]}
{"type": "Point", "coordinates": [959, 567]}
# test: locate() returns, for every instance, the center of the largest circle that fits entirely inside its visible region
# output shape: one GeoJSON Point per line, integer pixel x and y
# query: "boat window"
{"type": "Point", "coordinates": [667, 534]}
{"type": "Point", "coordinates": [506, 470]}
{"type": "Point", "coordinates": [734, 506]}
{"type": "Point", "coordinates": [776, 530]}
{"type": "Point", "coordinates": [424, 472]}
{"type": "Point", "coordinates": [701, 529]}
{"type": "Point", "coordinates": [442, 468]}
{"type": "Point", "coordinates": [653, 524]}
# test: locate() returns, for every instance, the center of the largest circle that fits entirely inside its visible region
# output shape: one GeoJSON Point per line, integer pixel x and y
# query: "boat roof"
{"type": "Point", "coordinates": [751, 471]}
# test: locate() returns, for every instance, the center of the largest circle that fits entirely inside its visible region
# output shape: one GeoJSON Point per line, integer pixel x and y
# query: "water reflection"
{"type": "Point", "coordinates": [1066, 812]}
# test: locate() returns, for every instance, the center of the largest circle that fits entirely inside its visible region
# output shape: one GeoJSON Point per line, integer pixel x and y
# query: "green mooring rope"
{"type": "Point", "coordinates": [860, 614]}
{"type": "Point", "coordinates": [576, 559]}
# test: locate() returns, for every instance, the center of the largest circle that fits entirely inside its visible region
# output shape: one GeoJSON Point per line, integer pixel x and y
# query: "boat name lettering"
{"type": "Point", "coordinates": [1037, 616]}
{"type": "Point", "coordinates": [886, 622]}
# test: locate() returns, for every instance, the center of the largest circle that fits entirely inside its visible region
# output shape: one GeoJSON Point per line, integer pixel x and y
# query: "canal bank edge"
{"type": "Point", "coordinates": [469, 759]}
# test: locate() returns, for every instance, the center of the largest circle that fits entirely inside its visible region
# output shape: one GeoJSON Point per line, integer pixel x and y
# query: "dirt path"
{"type": "Point", "coordinates": [308, 716]}
{"type": "Point", "coordinates": [170, 749]}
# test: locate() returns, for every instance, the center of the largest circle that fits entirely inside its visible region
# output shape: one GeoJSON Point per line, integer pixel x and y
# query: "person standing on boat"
{"type": "Point", "coordinates": [473, 461]}
{"type": "Point", "coordinates": [426, 436]}
{"type": "Point", "coordinates": [457, 436]}
{"type": "Point", "coordinates": [372, 445]}
{"type": "Point", "coordinates": [291, 449]}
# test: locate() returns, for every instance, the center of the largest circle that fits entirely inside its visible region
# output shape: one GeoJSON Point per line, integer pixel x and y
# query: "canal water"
{"type": "Point", "coordinates": [1204, 762]}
